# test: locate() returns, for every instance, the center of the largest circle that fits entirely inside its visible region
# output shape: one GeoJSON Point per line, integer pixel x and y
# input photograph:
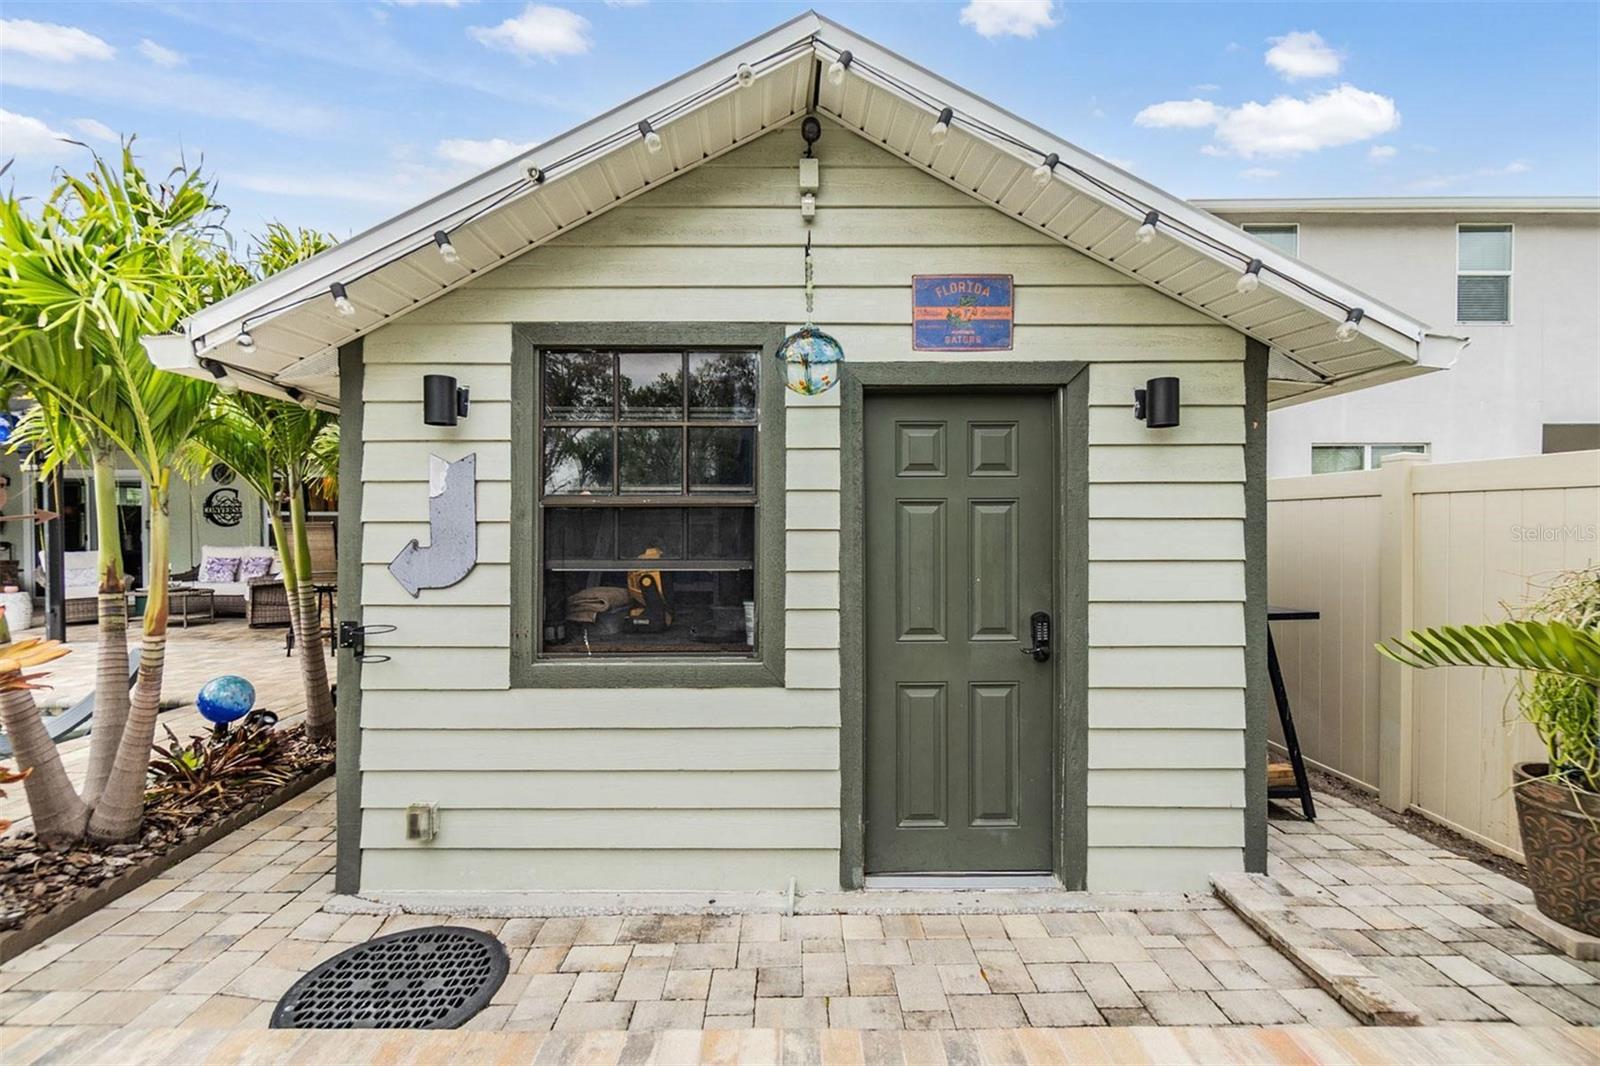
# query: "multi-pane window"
{"type": "Point", "coordinates": [1284, 236]}
{"type": "Point", "coordinates": [648, 502]}
{"type": "Point", "coordinates": [1337, 458]}
{"type": "Point", "coordinates": [1483, 273]}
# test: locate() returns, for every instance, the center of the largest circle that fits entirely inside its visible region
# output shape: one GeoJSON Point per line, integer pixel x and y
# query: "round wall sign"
{"type": "Point", "coordinates": [222, 474]}
{"type": "Point", "coordinates": [222, 508]}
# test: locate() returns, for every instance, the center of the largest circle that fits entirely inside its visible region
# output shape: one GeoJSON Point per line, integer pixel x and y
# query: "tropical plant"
{"type": "Point", "coordinates": [1556, 649]}
{"type": "Point", "coordinates": [9, 777]}
{"type": "Point", "coordinates": [112, 257]}
{"type": "Point", "coordinates": [59, 814]}
{"type": "Point", "coordinates": [277, 449]}
{"type": "Point", "coordinates": [206, 769]}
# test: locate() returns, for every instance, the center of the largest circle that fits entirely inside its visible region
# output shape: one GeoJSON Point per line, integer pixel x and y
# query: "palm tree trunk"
{"type": "Point", "coordinates": [59, 815]}
{"type": "Point", "coordinates": [121, 808]}
{"type": "Point", "coordinates": [320, 722]}
{"type": "Point", "coordinates": [111, 653]}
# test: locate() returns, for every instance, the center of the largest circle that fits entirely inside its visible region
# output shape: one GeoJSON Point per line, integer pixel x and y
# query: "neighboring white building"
{"type": "Point", "coordinates": [1519, 277]}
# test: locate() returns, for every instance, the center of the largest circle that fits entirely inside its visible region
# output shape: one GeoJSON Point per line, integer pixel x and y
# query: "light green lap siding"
{"type": "Point", "coordinates": [734, 788]}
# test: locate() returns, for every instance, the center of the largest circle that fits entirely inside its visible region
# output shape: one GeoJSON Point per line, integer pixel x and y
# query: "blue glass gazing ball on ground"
{"type": "Point", "coordinates": [225, 699]}
{"type": "Point", "coordinates": [810, 361]}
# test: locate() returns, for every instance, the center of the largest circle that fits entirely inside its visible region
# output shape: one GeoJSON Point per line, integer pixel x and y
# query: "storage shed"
{"type": "Point", "coordinates": [675, 626]}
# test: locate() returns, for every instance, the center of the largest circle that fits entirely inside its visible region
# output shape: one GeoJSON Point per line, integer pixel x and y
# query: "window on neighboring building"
{"type": "Point", "coordinates": [1337, 458]}
{"type": "Point", "coordinates": [647, 502]}
{"type": "Point", "coordinates": [1483, 273]}
{"type": "Point", "coordinates": [1284, 236]}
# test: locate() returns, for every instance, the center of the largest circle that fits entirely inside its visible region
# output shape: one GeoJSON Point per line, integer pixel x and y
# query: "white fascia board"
{"type": "Point", "coordinates": [1384, 324]}
{"type": "Point", "coordinates": [361, 253]}
{"type": "Point", "coordinates": [1354, 383]}
{"type": "Point", "coordinates": [1402, 205]}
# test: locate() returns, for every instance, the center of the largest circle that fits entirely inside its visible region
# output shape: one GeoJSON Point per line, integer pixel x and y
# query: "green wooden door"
{"type": "Point", "coordinates": [960, 524]}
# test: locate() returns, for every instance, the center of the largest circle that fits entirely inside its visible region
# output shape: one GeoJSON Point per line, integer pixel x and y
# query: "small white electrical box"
{"type": "Point", "coordinates": [808, 206]}
{"type": "Point", "coordinates": [422, 822]}
{"type": "Point", "coordinates": [810, 175]}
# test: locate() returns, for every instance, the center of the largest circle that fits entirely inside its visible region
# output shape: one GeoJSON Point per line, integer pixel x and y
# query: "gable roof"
{"type": "Point", "coordinates": [990, 154]}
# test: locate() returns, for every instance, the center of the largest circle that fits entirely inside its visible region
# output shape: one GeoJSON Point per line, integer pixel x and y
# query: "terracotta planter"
{"type": "Point", "coordinates": [1561, 841]}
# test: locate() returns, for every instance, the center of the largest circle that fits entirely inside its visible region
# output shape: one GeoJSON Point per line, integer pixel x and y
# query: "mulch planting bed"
{"type": "Point", "coordinates": [44, 889]}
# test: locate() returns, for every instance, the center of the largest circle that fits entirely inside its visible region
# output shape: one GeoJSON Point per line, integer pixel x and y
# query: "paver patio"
{"type": "Point", "coordinates": [217, 940]}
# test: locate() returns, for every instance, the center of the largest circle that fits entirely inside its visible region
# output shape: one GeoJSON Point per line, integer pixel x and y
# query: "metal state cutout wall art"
{"type": "Point", "coordinates": [452, 549]}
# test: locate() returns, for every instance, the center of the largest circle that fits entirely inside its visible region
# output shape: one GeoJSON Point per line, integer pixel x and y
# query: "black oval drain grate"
{"type": "Point", "coordinates": [431, 978]}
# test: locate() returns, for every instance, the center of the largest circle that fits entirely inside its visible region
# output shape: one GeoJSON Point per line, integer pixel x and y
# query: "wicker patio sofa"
{"type": "Point", "coordinates": [236, 598]}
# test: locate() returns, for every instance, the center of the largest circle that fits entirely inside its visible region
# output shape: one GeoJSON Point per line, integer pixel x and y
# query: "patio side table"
{"type": "Point", "coordinates": [1280, 695]}
{"type": "Point", "coordinates": [194, 606]}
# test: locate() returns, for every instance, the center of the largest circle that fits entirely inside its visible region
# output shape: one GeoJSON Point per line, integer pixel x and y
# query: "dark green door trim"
{"type": "Point", "coordinates": [1068, 384]}
{"type": "Point", "coordinates": [347, 726]}
{"type": "Point", "coordinates": [1256, 692]}
{"type": "Point", "coordinates": [766, 669]}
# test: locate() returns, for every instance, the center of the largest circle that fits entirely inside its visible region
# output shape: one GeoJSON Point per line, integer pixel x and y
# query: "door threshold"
{"type": "Point", "coordinates": [960, 882]}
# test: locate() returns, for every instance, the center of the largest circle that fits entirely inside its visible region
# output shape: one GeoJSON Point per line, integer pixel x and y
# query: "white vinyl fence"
{"type": "Point", "coordinates": [1415, 544]}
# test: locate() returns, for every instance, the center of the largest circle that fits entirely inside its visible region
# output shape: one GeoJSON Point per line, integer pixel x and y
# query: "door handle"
{"type": "Point", "coordinates": [1039, 630]}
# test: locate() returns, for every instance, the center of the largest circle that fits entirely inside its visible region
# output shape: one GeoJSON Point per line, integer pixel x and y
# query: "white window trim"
{"type": "Point", "coordinates": [1280, 225]}
{"type": "Point", "coordinates": [1367, 446]}
{"type": "Point", "coordinates": [1511, 285]}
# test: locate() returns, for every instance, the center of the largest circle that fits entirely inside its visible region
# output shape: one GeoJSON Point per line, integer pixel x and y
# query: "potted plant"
{"type": "Point", "coordinates": [1556, 649]}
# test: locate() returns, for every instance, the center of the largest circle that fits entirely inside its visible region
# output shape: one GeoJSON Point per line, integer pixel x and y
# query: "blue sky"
{"type": "Point", "coordinates": [337, 115]}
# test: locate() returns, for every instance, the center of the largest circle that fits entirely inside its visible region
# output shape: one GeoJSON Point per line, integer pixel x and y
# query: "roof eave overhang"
{"type": "Point", "coordinates": [298, 299]}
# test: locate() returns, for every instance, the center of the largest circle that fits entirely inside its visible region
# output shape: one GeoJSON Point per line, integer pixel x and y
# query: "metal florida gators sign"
{"type": "Point", "coordinates": [961, 312]}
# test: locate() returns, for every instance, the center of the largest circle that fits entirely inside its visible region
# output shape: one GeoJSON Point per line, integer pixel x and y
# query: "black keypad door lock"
{"type": "Point", "coordinates": [1039, 629]}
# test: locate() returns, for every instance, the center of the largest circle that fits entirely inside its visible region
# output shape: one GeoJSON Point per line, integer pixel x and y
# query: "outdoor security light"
{"type": "Point", "coordinates": [1157, 403]}
{"type": "Point", "coordinates": [442, 401]}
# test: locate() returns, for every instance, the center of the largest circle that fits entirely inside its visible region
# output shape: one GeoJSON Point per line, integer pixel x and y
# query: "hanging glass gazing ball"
{"type": "Point", "coordinates": [225, 699]}
{"type": "Point", "coordinates": [810, 361]}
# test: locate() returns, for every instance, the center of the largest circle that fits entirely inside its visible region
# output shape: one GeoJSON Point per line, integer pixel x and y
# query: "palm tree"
{"type": "Point", "coordinates": [277, 449]}
{"type": "Point", "coordinates": [113, 257]}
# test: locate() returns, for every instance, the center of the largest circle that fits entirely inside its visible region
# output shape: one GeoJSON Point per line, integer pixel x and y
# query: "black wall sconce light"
{"type": "Point", "coordinates": [442, 401]}
{"type": "Point", "coordinates": [1157, 403]}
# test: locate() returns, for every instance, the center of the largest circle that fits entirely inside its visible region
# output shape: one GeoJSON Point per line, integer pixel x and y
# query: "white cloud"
{"type": "Point", "coordinates": [24, 135]}
{"type": "Point", "coordinates": [1258, 173]}
{"type": "Point", "coordinates": [160, 55]}
{"type": "Point", "coordinates": [1380, 153]}
{"type": "Point", "coordinates": [425, 3]}
{"type": "Point", "coordinates": [1303, 54]}
{"type": "Point", "coordinates": [1445, 181]}
{"type": "Point", "coordinates": [47, 40]}
{"type": "Point", "coordinates": [480, 155]}
{"type": "Point", "coordinates": [541, 30]}
{"type": "Point", "coordinates": [94, 129]}
{"type": "Point", "coordinates": [1180, 114]}
{"type": "Point", "coordinates": [1009, 18]}
{"type": "Point", "coordinates": [1286, 126]}
{"type": "Point", "coordinates": [370, 188]}
{"type": "Point", "coordinates": [1206, 87]}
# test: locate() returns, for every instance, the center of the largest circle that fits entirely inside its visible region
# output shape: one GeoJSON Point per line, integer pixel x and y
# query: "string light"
{"type": "Point", "coordinates": [245, 342]}
{"type": "Point", "coordinates": [837, 68]}
{"type": "Point", "coordinates": [1250, 280]}
{"type": "Point", "coordinates": [219, 372]}
{"type": "Point", "coordinates": [1147, 232]}
{"type": "Point", "coordinates": [745, 75]}
{"type": "Point", "coordinates": [447, 251]}
{"type": "Point", "coordinates": [1350, 326]}
{"type": "Point", "coordinates": [304, 399]}
{"type": "Point", "coordinates": [844, 62]}
{"type": "Point", "coordinates": [341, 300]}
{"type": "Point", "coordinates": [652, 139]}
{"type": "Point", "coordinates": [1043, 172]}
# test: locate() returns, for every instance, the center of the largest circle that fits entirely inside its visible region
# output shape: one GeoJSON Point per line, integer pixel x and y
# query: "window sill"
{"type": "Point", "coordinates": [639, 673]}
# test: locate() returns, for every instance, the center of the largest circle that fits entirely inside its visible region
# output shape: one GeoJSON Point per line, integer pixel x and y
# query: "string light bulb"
{"type": "Point", "coordinates": [1350, 326]}
{"type": "Point", "coordinates": [447, 251]}
{"type": "Point", "coordinates": [941, 126]}
{"type": "Point", "coordinates": [837, 68]}
{"type": "Point", "coordinates": [219, 373]}
{"type": "Point", "coordinates": [341, 299]}
{"type": "Point", "coordinates": [1250, 280]}
{"type": "Point", "coordinates": [534, 174]}
{"type": "Point", "coordinates": [652, 139]}
{"type": "Point", "coordinates": [745, 75]}
{"type": "Point", "coordinates": [304, 399]}
{"type": "Point", "coordinates": [1043, 172]}
{"type": "Point", "coordinates": [245, 342]}
{"type": "Point", "coordinates": [1147, 232]}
